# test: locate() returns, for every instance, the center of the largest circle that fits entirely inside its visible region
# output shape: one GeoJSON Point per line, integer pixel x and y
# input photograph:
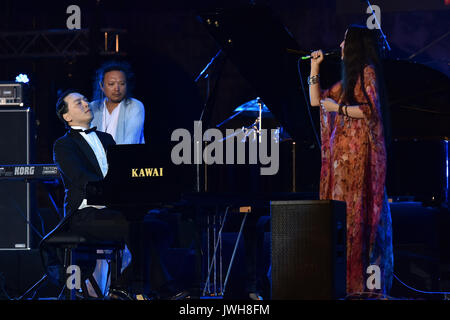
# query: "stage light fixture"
{"type": "Point", "coordinates": [22, 78]}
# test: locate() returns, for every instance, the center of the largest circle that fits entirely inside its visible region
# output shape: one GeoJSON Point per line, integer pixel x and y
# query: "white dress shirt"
{"type": "Point", "coordinates": [96, 146]}
{"type": "Point", "coordinates": [110, 120]}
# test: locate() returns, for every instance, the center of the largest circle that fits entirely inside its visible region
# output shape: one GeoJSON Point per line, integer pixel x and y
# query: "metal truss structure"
{"type": "Point", "coordinates": [60, 43]}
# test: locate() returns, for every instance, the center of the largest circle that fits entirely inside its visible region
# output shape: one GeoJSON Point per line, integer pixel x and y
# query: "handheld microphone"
{"type": "Point", "coordinates": [329, 53]}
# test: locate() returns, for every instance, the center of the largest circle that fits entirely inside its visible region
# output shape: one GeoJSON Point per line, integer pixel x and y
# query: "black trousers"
{"type": "Point", "coordinates": [144, 238]}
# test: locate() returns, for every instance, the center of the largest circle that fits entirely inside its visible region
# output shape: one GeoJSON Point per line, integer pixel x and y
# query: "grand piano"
{"type": "Point", "coordinates": [278, 86]}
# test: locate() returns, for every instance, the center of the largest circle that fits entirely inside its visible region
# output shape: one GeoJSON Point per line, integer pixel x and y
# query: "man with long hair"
{"type": "Point", "coordinates": [354, 125]}
{"type": "Point", "coordinates": [115, 111]}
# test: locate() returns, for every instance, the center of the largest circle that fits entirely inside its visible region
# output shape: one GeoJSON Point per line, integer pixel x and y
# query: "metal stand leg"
{"type": "Point", "coordinates": [234, 251]}
{"type": "Point", "coordinates": [69, 294]}
{"type": "Point", "coordinates": [34, 288]}
{"type": "Point", "coordinates": [212, 262]}
{"type": "Point", "coordinates": [67, 262]}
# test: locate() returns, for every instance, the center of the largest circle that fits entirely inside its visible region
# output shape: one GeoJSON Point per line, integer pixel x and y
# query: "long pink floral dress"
{"type": "Point", "coordinates": [354, 170]}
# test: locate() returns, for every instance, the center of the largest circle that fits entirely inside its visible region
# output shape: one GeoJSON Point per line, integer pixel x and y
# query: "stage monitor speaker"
{"type": "Point", "coordinates": [308, 250]}
{"type": "Point", "coordinates": [17, 198]}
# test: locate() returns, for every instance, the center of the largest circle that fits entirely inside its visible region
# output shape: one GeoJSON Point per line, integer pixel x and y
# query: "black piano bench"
{"type": "Point", "coordinates": [76, 244]}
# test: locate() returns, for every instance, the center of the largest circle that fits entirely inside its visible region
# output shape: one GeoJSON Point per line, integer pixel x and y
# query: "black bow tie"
{"type": "Point", "coordinates": [85, 131]}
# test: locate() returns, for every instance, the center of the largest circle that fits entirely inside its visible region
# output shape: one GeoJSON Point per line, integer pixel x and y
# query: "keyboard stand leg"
{"type": "Point", "coordinates": [212, 262]}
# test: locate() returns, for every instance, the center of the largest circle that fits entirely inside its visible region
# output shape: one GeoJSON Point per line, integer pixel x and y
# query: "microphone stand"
{"type": "Point", "coordinates": [379, 26]}
{"type": "Point", "coordinates": [204, 74]}
{"type": "Point", "coordinates": [208, 65]}
{"type": "Point", "coordinates": [259, 119]}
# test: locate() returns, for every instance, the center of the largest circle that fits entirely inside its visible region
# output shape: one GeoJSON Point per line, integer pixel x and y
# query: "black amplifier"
{"type": "Point", "coordinates": [11, 94]}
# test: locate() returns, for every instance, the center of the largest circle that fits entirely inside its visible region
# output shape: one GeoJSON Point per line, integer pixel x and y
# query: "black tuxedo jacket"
{"type": "Point", "coordinates": [78, 164]}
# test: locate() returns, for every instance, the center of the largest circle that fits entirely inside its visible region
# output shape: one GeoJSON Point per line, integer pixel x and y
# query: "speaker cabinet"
{"type": "Point", "coordinates": [308, 249]}
{"type": "Point", "coordinates": [17, 198]}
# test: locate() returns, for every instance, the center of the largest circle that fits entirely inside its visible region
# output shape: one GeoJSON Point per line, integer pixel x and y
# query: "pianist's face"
{"type": "Point", "coordinates": [78, 112]}
{"type": "Point", "coordinates": [115, 85]}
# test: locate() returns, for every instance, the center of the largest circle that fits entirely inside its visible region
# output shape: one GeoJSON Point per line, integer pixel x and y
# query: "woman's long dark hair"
{"type": "Point", "coordinates": [362, 47]}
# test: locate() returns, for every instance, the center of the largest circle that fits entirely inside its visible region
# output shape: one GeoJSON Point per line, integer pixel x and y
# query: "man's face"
{"type": "Point", "coordinates": [115, 86]}
{"type": "Point", "coordinates": [78, 112]}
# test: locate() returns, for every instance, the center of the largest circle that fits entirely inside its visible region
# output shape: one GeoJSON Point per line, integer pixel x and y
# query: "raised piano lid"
{"type": "Point", "coordinates": [255, 40]}
{"type": "Point", "coordinates": [418, 99]}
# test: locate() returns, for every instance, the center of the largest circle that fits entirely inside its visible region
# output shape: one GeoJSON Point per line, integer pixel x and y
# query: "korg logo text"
{"type": "Point", "coordinates": [23, 171]}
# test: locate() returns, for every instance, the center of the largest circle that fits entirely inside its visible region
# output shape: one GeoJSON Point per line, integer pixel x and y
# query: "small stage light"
{"type": "Point", "coordinates": [22, 78]}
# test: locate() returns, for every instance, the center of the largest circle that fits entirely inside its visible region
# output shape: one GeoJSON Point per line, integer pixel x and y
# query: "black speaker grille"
{"type": "Point", "coordinates": [306, 252]}
{"type": "Point", "coordinates": [16, 197]}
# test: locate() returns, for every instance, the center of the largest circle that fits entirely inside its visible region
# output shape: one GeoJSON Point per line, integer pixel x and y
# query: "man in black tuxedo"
{"type": "Point", "coordinates": [81, 157]}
